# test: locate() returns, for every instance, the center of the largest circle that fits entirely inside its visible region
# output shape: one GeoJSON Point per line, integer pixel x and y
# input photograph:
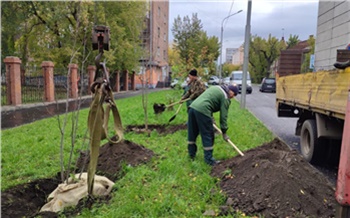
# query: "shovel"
{"type": "Point", "coordinates": [229, 141]}
{"type": "Point", "coordinates": [159, 108]}
{"type": "Point", "coordinates": [177, 111]}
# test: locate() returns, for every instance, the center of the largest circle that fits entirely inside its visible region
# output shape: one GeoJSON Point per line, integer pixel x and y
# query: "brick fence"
{"type": "Point", "coordinates": [14, 87]}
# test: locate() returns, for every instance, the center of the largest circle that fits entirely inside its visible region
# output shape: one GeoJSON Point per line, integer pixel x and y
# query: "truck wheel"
{"type": "Point", "coordinates": [309, 143]}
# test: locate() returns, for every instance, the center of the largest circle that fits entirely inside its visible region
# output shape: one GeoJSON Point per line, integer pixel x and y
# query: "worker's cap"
{"type": "Point", "coordinates": [234, 89]}
{"type": "Point", "coordinates": [193, 72]}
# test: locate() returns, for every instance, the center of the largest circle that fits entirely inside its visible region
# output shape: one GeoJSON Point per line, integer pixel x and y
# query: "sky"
{"type": "Point", "coordinates": [276, 17]}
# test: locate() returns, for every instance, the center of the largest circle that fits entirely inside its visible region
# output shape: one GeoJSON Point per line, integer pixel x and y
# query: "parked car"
{"type": "Point", "coordinates": [213, 80]}
{"type": "Point", "coordinates": [268, 85]}
{"type": "Point", "coordinates": [184, 83]}
{"type": "Point", "coordinates": [227, 81]}
{"type": "Point", "coordinates": [237, 78]}
{"type": "Point", "coordinates": [174, 83]}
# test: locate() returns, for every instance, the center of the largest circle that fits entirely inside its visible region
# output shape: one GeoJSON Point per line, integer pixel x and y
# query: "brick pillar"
{"type": "Point", "coordinates": [73, 80]}
{"type": "Point", "coordinates": [117, 81]}
{"type": "Point", "coordinates": [49, 85]}
{"type": "Point", "coordinates": [13, 80]}
{"type": "Point", "coordinates": [91, 73]}
{"type": "Point", "coordinates": [133, 85]}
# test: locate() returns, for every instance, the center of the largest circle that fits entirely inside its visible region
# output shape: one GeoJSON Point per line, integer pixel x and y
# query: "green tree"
{"type": "Point", "coordinates": [209, 52]}
{"type": "Point", "coordinates": [125, 18]}
{"type": "Point", "coordinates": [58, 31]}
{"type": "Point", "coordinates": [262, 53]}
{"type": "Point", "coordinates": [179, 68]}
{"type": "Point", "coordinates": [305, 67]}
{"type": "Point", "coordinates": [195, 48]}
{"type": "Point", "coordinates": [292, 41]}
{"type": "Point", "coordinates": [186, 33]}
{"type": "Point", "coordinates": [228, 68]}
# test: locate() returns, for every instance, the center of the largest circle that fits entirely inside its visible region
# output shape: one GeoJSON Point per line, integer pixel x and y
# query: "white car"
{"type": "Point", "coordinates": [227, 80]}
{"type": "Point", "coordinates": [213, 80]}
{"type": "Point", "coordinates": [174, 83]}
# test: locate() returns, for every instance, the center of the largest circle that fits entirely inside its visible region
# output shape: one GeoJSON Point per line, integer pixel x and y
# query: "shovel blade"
{"type": "Point", "coordinates": [158, 108]}
{"type": "Point", "coordinates": [172, 118]}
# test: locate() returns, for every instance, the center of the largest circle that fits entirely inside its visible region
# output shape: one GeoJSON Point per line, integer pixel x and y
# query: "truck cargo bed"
{"type": "Point", "coordinates": [324, 92]}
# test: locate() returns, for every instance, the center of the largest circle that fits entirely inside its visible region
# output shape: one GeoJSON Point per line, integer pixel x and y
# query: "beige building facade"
{"type": "Point", "coordinates": [238, 56]}
{"type": "Point", "coordinates": [333, 32]}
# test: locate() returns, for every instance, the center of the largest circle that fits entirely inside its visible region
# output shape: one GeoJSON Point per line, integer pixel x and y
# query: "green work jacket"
{"type": "Point", "coordinates": [214, 99]}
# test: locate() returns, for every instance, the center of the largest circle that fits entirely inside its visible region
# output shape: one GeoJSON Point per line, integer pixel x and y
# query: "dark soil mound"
{"type": "Point", "coordinates": [161, 129]}
{"type": "Point", "coordinates": [273, 181]}
{"type": "Point", "coordinates": [27, 199]}
{"type": "Point", "coordinates": [113, 156]}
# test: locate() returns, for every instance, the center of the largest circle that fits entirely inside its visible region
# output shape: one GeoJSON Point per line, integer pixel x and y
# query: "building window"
{"type": "Point", "coordinates": [164, 54]}
{"type": "Point", "coordinates": [158, 32]}
{"type": "Point", "coordinates": [164, 37]}
{"type": "Point", "coordinates": [158, 11]}
{"type": "Point", "coordinates": [158, 51]}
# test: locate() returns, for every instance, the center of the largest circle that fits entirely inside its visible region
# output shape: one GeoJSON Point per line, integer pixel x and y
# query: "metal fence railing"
{"type": "Point", "coordinates": [32, 86]}
{"type": "Point", "coordinates": [60, 80]}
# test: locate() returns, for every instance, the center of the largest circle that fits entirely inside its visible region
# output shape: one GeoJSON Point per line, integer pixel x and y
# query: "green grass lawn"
{"type": "Point", "coordinates": [168, 186]}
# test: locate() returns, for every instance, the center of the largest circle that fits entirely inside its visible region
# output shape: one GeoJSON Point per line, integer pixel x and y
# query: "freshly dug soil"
{"type": "Point", "coordinates": [270, 180]}
{"type": "Point", "coordinates": [113, 156]}
{"type": "Point", "coordinates": [273, 181]}
{"type": "Point", "coordinates": [27, 199]}
{"type": "Point", "coordinates": [161, 129]}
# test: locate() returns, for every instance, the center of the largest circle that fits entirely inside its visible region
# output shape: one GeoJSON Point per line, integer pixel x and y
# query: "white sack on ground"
{"type": "Point", "coordinates": [66, 195]}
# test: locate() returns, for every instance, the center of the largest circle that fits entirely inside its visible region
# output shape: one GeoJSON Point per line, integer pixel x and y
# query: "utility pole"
{"type": "Point", "coordinates": [246, 55]}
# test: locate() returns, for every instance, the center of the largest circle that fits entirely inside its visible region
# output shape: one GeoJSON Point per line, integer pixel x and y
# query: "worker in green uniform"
{"type": "Point", "coordinates": [194, 88]}
{"type": "Point", "coordinates": [214, 99]}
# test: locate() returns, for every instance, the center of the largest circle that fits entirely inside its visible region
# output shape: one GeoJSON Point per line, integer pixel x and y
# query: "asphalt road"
{"type": "Point", "coordinates": [263, 107]}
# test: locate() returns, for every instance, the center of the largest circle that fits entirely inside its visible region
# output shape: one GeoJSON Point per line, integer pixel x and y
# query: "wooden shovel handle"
{"type": "Point", "coordinates": [229, 141]}
{"type": "Point", "coordinates": [178, 102]}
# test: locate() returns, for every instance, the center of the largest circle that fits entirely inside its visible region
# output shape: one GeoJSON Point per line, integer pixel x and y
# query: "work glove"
{"type": "Point", "coordinates": [225, 137]}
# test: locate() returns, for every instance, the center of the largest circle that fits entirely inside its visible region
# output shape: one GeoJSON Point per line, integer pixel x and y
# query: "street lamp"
{"type": "Point", "coordinates": [222, 32]}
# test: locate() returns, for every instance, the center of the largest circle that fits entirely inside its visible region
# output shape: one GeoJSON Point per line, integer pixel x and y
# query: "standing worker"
{"type": "Point", "coordinates": [194, 88]}
{"type": "Point", "coordinates": [214, 99]}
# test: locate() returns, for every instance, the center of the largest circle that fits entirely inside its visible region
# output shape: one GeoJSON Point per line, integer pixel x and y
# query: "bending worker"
{"type": "Point", "coordinates": [214, 99]}
{"type": "Point", "coordinates": [194, 88]}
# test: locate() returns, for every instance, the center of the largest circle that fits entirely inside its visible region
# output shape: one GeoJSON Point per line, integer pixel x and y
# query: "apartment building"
{"type": "Point", "coordinates": [238, 56]}
{"type": "Point", "coordinates": [154, 67]}
{"type": "Point", "coordinates": [229, 54]}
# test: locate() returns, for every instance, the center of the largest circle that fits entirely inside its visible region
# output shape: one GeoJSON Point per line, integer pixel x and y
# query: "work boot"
{"type": "Point", "coordinates": [208, 157]}
{"type": "Point", "coordinates": [192, 150]}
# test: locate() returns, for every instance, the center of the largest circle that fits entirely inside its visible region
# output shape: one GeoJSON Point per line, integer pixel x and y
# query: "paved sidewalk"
{"type": "Point", "coordinates": [12, 116]}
